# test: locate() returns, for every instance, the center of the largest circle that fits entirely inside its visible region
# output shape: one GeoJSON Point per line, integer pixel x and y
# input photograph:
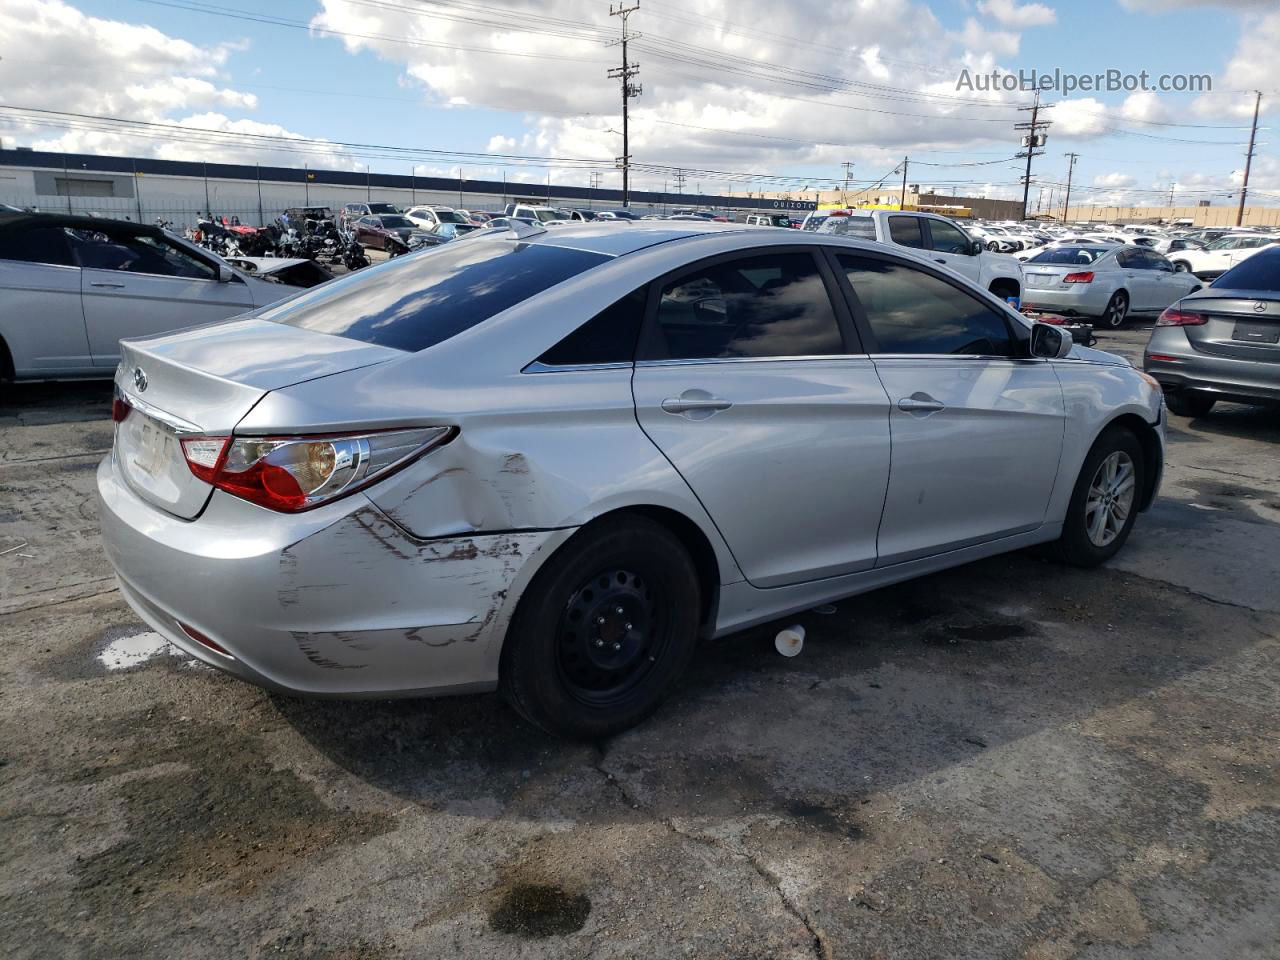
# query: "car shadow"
{"type": "Point", "coordinates": [892, 686]}
{"type": "Point", "coordinates": [30, 404]}
{"type": "Point", "coordinates": [1237, 420]}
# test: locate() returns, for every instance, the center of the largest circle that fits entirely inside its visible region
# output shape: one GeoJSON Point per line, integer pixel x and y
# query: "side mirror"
{"type": "Point", "coordinates": [975, 248]}
{"type": "Point", "coordinates": [225, 273]}
{"type": "Point", "coordinates": [1050, 342]}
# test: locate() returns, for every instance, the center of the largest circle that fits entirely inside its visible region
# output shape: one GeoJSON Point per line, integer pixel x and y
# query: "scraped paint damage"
{"type": "Point", "coordinates": [461, 571]}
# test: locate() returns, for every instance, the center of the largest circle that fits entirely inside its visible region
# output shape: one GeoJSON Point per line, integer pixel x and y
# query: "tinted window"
{"type": "Point", "coordinates": [948, 239]}
{"type": "Point", "coordinates": [416, 301]}
{"type": "Point", "coordinates": [770, 305]}
{"type": "Point", "coordinates": [910, 311]}
{"type": "Point", "coordinates": [1069, 255]}
{"type": "Point", "coordinates": [36, 245]}
{"type": "Point", "coordinates": [117, 250]}
{"type": "Point", "coordinates": [906, 231]}
{"type": "Point", "coordinates": [608, 337]}
{"type": "Point", "coordinates": [394, 222]}
{"type": "Point", "coordinates": [382, 208]}
{"type": "Point", "coordinates": [1259, 272]}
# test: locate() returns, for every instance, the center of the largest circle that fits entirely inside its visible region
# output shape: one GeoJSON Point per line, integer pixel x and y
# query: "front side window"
{"type": "Point", "coordinates": [948, 239]}
{"type": "Point", "coordinates": [906, 231]}
{"type": "Point", "coordinates": [910, 311]}
{"type": "Point", "coordinates": [416, 301]}
{"type": "Point", "coordinates": [767, 305]}
{"type": "Point", "coordinates": [116, 250]}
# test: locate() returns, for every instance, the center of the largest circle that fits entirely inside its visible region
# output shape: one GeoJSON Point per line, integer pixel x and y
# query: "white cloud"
{"type": "Point", "coordinates": [1114, 180]}
{"type": "Point", "coordinates": [500, 144]}
{"type": "Point", "coordinates": [1020, 16]}
{"type": "Point", "coordinates": [58, 58]}
{"type": "Point", "coordinates": [1253, 66]}
{"type": "Point", "coordinates": [977, 38]}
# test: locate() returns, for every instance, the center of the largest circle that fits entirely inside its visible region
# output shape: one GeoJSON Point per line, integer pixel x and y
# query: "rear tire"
{"type": "Point", "coordinates": [604, 631]}
{"type": "Point", "coordinates": [1104, 502]}
{"type": "Point", "coordinates": [1188, 403]}
{"type": "Point", "coordinates": [1181, 266]}
{"type": "Point", "coordinates": [1116, 310]}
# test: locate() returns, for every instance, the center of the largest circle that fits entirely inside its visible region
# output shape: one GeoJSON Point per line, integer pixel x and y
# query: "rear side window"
{"type": "Point", "coordinates": [422, 299]}
{"type": "Point", "coordinates": [36, 245]}
{"type": "Point", "coordinates": [911, 311]}
{"type": "Point", "coordinates": [608, 337]}
{"type": "Point", "coordinates": [1259, 272]}
{"type": "Point", "coordinates": [906, 231]}
{"type": "Point", "coordinates": [768, 305]}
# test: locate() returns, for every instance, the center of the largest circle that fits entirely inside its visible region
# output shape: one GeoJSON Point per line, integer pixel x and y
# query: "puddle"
{"type": "Point", "coordinates": [539, 910]}
{"type": "Point", "coordinates": [133, 650]}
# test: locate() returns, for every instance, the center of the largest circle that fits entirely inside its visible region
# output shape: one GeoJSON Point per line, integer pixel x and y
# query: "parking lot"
{"type": "Point", "coordinates": [1010, 759]}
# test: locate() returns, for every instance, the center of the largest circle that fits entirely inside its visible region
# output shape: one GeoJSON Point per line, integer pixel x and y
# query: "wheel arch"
{"type": "Point", "coordinates": [1000, 284]}
{"type": "Point", "coordinates": [1152, 449]}
{"type": "Point", "coordinates": [6, 363]}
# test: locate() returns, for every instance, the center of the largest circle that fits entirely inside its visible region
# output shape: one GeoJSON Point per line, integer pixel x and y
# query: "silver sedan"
{"type": "Point", "coordinates": [549, 461]}
{"type": "Point", "coordinates": [1104, 282]}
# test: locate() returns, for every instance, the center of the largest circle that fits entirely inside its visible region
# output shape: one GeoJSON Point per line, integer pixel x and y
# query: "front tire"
{"type": "Point", "coordinates": [1116, 310]}
{"type": "Point", "coordinates": [604, 631]}
{"type": "Point", "coordinates": [1104, 502]}
{"type": "Point", "coordinates": [1188, 403]}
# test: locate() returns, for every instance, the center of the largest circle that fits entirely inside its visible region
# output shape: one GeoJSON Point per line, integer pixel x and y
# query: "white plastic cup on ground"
{"type": "Point", "coordinates": [790, 641]}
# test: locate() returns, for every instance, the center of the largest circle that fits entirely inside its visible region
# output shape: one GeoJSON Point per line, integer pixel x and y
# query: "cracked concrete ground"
{"type": "Point", "coordinates": [1010, 759]}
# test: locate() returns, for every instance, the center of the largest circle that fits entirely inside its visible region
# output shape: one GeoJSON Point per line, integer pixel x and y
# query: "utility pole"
{"type": "Point", "coordinates": [595, 185]}
{"type": "Point", "coordinates": [630, 91]}
{"type": "Point", "coordinates": [1031, 141]}
{"type": "Point", "coordinates": [1248, 157]}
{"type": "Point", "coordinates": [848, 175]}
{"type": "Point", "coordinates": [902, 204]}
{"type": "Point", "coordinates": [261, 221]}
{"type": "Point", "coordinates": [680, 178]}
{"type": "Point", "coordinates": [1071, 168]}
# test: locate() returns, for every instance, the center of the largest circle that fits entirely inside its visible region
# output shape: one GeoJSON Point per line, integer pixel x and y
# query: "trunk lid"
{"type": "Point", "coordinates": [1049, 276]}
{"type": "Point", "coordinates": [203, 381]}
{"type": "Point", "coordinates": [1240, 326]}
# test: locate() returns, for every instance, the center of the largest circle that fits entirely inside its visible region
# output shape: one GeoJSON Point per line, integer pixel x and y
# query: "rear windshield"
{"type": "Point", "coordinates": [1259, 272]}
{"type": "Point", "coordinates": [416, 301]}
{"type": "Point", "coordinates": [1070, 255]}
{"type": "Point", "coordinates": [397, 222]}
{"type": "Point", "coordinates": [861, 227]}
{"type": "Point", "coordinates": [383, 208]}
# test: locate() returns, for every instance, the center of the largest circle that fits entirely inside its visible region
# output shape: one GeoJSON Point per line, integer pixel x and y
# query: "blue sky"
{"type": "Point", "coordinates": [372, 91]}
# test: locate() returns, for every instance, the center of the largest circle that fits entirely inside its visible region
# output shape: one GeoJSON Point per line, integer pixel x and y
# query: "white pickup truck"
{"type": "Point", "coordinates": [935, 237]}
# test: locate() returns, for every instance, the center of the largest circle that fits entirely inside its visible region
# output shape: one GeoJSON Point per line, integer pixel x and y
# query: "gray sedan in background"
{"type": "Point", "coordinates": [1222, 342]}
{"type": "Point", "coordinates": [1102, 281]}
{"type": "Point", "coordinates": [549, 461]}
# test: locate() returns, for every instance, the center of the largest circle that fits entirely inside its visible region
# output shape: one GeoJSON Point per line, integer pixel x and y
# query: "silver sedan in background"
{"type": "Point", "coordinates": [548, 461]}
{"type": "Point", "coordinates": [1104, 282]}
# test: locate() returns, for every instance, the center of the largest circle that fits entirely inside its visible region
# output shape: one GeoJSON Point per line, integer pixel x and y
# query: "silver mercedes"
{"type": "Point", "coordinates": [551, 461]}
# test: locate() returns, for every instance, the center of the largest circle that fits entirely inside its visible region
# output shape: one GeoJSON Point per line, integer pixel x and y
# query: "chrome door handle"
{"type": "Point", "coordinates": [694, 404]}
{"type": "Point", "coordinates": [112, 285]}
{"type": "Point", "coordinates": [921, 403]}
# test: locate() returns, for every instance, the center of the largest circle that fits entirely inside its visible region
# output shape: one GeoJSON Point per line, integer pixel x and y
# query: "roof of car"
{"type": "Point", "coordinates": [23, 221]}
{"type": "Point", "coordinates": [614, 240]}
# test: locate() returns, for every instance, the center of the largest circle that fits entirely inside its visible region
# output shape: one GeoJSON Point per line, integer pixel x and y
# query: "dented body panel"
{"type": "Point", "coordinates": [353, 604]}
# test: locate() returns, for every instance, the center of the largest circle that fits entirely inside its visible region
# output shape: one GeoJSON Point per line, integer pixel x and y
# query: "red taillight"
{"type": "Point", "coordinates": [1085, 276]}
{"type": "Point", "coordinates": [1173, 317]}
{"type": "Point", "coordinates": [1162, 358]}
{"type": "Point", "coordinates": [289, 474]}
{"type": "Point", "coordinates": [204, 641]}
{"type": "Point", "coordinates": [119, 408]}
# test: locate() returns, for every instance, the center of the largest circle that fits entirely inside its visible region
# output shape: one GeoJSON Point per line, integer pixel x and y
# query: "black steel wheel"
{"type": "Point", "coordinates": [604, 630]}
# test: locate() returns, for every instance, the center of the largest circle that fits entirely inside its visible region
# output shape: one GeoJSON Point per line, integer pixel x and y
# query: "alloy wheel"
{"type": "Point", "coordinates": [1110, 500]}
{"type": "Point", "coordinates": [1116, 310]}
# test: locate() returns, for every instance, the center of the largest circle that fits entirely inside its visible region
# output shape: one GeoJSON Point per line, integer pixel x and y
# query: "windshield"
{"type": "Point", "coordinates": [862, 227]}
{"type": "Point", "coordinates": [451, 216]}
{"type": "Point", "coordinates": [396, 222]}
{"type": "Point", "coordinates": [1069, 255]}
{"type": "Point", "coordinates": [383, 208]}
{"type": "Point", "coordinates": [416, 301]}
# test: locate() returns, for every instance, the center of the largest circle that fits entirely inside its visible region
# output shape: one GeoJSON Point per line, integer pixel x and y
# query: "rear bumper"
{"type": "Point", "coordinates": [1228, 378]}
{"type": "Point", "coordinates": [1083, 299]}
{"type": "Point", "coordinates": [338, 601]}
